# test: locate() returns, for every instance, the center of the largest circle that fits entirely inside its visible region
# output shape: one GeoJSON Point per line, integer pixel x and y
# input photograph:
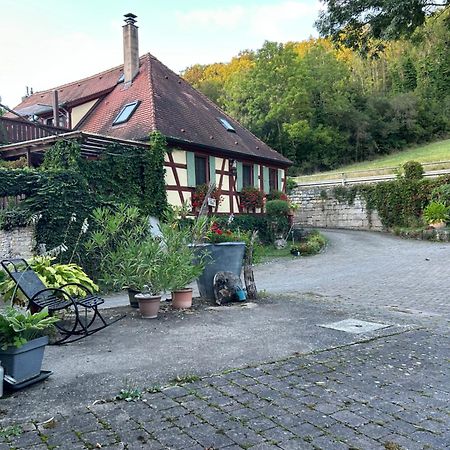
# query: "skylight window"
{"type": "Point", "coordinates": [227, 125]}
{"type": "Point", "coordinates": [125, 113]}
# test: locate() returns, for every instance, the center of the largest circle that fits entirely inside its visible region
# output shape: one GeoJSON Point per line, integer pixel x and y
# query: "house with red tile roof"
{"type": "Point", "coordinates": [126, 103]}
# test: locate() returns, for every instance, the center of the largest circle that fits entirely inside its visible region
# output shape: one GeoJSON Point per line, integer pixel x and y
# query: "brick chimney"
{"type": "Point", "coordinates": [130, 49]}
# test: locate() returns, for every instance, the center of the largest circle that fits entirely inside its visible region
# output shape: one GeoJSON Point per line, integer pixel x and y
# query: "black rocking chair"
{"type": "Point", "coordinates": [72, 325]}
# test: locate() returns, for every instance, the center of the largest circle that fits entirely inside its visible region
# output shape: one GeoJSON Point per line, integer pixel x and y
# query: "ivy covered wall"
{"type": "Point", "coordinates": [68, 186]}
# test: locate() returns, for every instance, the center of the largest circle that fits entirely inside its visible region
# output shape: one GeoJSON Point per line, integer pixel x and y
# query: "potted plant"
{"type": "Point", "coordinates": [295, 250]}
{"type": "Point", "coordinates": [141, 267]}
{"type": "Point", "coordinates": [199, 194]}
{"type": "Point", "coordinates": [23, 341]}
{"type": "Point", "coordinates": [251, 198]}
{"type": "Point", "coordinates": [436, 214]}
{"type": "Point", "coordinates": [181, 265]}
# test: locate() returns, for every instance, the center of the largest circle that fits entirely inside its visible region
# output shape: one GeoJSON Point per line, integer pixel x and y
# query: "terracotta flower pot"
{"type": "Point", "coordinates": [438, 225]}
{"type": "Point", "coordinates": [182, 298]}
{"type": "Point", "coordinates": [149, 305]}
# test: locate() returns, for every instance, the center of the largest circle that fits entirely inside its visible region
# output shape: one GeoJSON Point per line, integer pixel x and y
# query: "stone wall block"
{"type": "Point", "coordinates": [316, 211]}
{"type": "Point", "coordinates": [18, 242]}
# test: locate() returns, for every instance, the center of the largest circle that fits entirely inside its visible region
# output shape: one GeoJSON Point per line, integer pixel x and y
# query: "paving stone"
{"type": "Point", "coordinates": [349, 418]}
{"type": "Point", "coordinates": [26, 439]}
{"type": "Point", "coordinates": [103, 437]}
{"type": "Point", "coordinates": [328, 443]}
{"type": "Point", "coordinates": [277, 434]}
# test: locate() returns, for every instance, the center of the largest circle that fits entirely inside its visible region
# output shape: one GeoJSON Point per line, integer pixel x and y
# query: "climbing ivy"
{"type": "Point", "coordinates": [399, 202]}
{"type": "Point", "coordinates": [67, 186]}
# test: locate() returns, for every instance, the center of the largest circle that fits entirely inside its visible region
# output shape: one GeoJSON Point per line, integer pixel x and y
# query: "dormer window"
{"type": "Point", "coordinates": [227, 125]}
{"type": "Point", "coordinates": [125, 113]}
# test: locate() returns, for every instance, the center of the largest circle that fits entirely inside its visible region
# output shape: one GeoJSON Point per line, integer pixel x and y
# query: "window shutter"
{"type": "Point", "coordinates": [280, 179]}
{"type": "Point", "coordinates": [212, 169]}
{"type": "Point", "coordinates": [255, 175]}
{"type": "Point", "coordinates": [239, 182]}
{"type": "Point", "coordinates": [266, 180]}
{"type": "Point", "coordinates": [190, 161]}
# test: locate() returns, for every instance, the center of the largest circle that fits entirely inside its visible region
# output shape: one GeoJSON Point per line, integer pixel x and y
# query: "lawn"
{"type": "Point", "coordinates": [437, 153]}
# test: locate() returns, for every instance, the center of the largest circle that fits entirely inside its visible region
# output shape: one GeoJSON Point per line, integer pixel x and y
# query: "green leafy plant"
{"type": "Point", "coordinates": [113, 241]}
{"type": "Point", "coordinates": [277, 214]}
{"type": "Point", "coordinates": [311, 244]}
{"type": "Point", "coordinates": [182, 264]}
{"type": "Point", "coordinates": [17, 327]}
{"type": "Point", "coordinates": [139, 266]}
{"type": "Point", "coordinates": [436, 212]}
{"type": "Point", "coordinates": [14, 217]}
{"type": "Point", "coordinates": [52, 275]}
{"type": "Point", "coordinates": [129, 393]}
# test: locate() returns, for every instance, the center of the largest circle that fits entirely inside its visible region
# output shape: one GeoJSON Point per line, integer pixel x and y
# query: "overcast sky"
{"type": "Point", "coordinates": [46, 43]}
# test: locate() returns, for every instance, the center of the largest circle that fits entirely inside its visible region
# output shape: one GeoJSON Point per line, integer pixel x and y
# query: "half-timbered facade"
{"type": "Point", "coordinates": [143, 95]}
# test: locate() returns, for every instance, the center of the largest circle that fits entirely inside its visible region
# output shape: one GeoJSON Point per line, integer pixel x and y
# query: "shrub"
{"type": "Point", "coordinates": [277, 208]}
{"type": "Point", "coordinates": [413, 170]}
{"type": "Point", "coordinates": [314, 243]}
{"type": "Point", "coordinates": [291, 184]}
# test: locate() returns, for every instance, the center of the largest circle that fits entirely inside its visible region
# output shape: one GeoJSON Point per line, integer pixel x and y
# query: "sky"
{"type": "Point", "coordinates": [47, 43]}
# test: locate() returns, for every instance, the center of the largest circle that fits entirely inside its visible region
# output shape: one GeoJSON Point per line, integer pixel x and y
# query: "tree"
{"type": "Point", "coordinates": [354, 21]}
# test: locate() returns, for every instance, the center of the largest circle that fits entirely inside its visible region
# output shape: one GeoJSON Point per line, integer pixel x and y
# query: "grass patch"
{"type": "Point", "coordinates": [436, 152]}
{"type": "Point", "coordinates": [269, 251]}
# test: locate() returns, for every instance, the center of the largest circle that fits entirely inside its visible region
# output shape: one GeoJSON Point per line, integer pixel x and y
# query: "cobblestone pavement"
{"type": "Point", "coordinates": [369, 269]}
{"type": "Point", "coordinates": [387, 391]}
{"type": "Point", "coordinates": [391, 392]}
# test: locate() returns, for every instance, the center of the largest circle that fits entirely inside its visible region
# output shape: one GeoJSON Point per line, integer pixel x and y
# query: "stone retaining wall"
{"type": "Point", "coordinates": [17, 242]}
{"type": "Point", "coordinates": [319, 208]}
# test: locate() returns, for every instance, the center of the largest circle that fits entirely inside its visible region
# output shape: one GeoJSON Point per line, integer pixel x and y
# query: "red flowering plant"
{"type": "Point", "coordinates": [277, 195]}
{"type": "Point", "coordinates": [199, 195]}
{"type": "Point", "coordinates": [217, 234]}
{"type": "Point", "coordinates": [251, 198]}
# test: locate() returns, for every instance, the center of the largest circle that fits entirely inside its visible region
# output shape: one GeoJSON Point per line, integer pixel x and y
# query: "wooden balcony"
{"type": "Point", "coordinates": [18, 130]}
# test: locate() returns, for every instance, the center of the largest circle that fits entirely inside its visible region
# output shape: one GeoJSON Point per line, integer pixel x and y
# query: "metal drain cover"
{"type": "Point", "coordinates": [354, 326]}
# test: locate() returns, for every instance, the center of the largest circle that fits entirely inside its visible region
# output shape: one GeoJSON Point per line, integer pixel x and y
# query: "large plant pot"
{"type": "Point", "coordinates": [25, 362]}
{"type": "Point", "coordinates": [438, 225]}
{"type": "Point", "coordinates": [132, 298]}
{"type": "Point", "coordinates": [182, 299]}
{"type": "Point", "coordinates": [149, 305]}
{"type": "Point", "coordinates": [223, 257]}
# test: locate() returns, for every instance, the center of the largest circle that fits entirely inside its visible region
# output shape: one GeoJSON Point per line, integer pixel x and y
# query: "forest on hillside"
{"type": "Point", "coordinates": [324, 103]}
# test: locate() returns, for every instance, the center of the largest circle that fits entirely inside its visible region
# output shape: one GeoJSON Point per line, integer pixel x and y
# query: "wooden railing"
{"type": "Point", "coordinates": [18, 130]}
